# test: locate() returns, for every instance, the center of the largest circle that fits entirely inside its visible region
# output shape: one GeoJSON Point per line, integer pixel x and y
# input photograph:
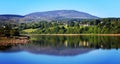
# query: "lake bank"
{"type": "Point", "coordinates": [4, 41]}
{"type": "Point", "coordinates": [12, 42]}
{"type": "Point", "coordinates": [76, 34]}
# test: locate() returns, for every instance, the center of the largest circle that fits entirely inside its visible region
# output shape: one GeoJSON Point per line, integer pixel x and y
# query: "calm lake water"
{"type": "Point", "coordinates": [63, 50]}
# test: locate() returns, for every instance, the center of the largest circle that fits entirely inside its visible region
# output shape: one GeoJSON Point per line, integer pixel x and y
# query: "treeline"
{"type": "Point", "coordinates": [91, 26]}
{"type": "Point", "coordinates": [8, 29]}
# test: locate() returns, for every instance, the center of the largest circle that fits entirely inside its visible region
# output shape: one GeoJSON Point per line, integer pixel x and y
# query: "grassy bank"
{"type": "Point", "coordinates": [76, 34]}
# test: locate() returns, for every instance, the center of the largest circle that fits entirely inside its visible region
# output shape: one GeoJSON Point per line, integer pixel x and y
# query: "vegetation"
{"type": "Point", "coordinates": [29, 30]}
{"type": "Point", "coordinates": [8, 29]}
{"type": "Point", "coordinates": [73, 26]}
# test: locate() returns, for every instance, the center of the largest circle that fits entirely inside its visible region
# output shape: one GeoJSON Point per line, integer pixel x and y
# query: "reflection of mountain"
{"type": "Point", "coordinates": [9, 48]}
{"type": "Point", "coordinates": [35, 49]}
{"type": "Point", "coordinates": [65, 52]}
{"type": "Point", "coordinates": [58, 52]}
{"type": "Point", "coordinates": [64, 45]}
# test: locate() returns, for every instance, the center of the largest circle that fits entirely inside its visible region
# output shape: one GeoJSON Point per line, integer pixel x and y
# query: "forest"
{"type": "Point", "coordinates": [72, 26]}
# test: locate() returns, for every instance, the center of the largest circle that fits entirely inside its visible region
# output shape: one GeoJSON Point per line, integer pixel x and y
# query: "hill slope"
{"type": "Point", "coordinates": [10, 17]}
{"type": "Point", "coordinates": [59, 14]}
{"type": "Point", "coordinates": [48, 15]}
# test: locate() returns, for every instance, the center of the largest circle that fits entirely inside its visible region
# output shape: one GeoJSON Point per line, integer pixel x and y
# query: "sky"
{"type": "Point", "coordinates": [100, 8]}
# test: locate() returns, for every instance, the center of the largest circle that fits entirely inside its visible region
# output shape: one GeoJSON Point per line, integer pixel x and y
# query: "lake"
{"type": "Point", "coordinates": [63, 50]}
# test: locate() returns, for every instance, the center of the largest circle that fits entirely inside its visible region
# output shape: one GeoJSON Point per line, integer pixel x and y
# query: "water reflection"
{"type": "Point", "coordinates": [104, 42]}
{"type": "Point", "coordinates": [63, 45]}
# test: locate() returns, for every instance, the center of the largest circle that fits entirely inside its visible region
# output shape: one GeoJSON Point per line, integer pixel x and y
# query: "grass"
{"type": "Point", "coordinates": [76, 34]}
{"type": "Point", "coordinates": [29, 30]}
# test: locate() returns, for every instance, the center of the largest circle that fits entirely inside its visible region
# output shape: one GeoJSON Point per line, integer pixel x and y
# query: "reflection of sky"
{"type": "Point", "coordinates": [94, 57]}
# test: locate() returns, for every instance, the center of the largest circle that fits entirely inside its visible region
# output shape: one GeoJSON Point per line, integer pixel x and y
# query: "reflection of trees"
{"type": "Point", "coordinates": [5, 48]}
{"type": "Point", "coordinates": [64, 42]}
{"type": "Point", "coordinates": [6, 44]}
{"type": "Point", "coordinates": [105, 42]}
{"type": "Point", "coordinates": [62, 45]}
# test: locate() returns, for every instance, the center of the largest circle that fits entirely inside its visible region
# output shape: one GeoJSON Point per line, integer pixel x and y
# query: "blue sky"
{"type": "Point", "coordinates": [100, 8]}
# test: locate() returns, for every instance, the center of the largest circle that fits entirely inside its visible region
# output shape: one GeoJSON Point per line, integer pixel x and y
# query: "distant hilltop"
{"type": "Point", "coordinates": [48, 16]}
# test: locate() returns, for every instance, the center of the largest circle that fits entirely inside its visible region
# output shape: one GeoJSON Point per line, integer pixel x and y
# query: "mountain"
{"type": "Point", "coordinates": [58, 14]}
{"type": "Point", "coordinates": [10, 17]}
{"type": "Point", "coordinates": [48, 16]}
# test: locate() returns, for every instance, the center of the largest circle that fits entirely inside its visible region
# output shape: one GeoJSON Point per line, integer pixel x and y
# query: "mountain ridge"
{"type": "Point", "coordinates": [49, 15]}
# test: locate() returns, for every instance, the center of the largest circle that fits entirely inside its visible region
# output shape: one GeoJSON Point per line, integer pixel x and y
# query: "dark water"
{"type": "Point", "coordinates": [63, 50]}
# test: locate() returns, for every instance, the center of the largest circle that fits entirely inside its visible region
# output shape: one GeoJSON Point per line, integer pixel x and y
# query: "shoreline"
{"type": "Point", "coordinates": [75, 34]}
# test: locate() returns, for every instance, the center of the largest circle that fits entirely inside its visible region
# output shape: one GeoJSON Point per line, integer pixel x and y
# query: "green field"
{"type": "Point", "coordinates": [29, 30]}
